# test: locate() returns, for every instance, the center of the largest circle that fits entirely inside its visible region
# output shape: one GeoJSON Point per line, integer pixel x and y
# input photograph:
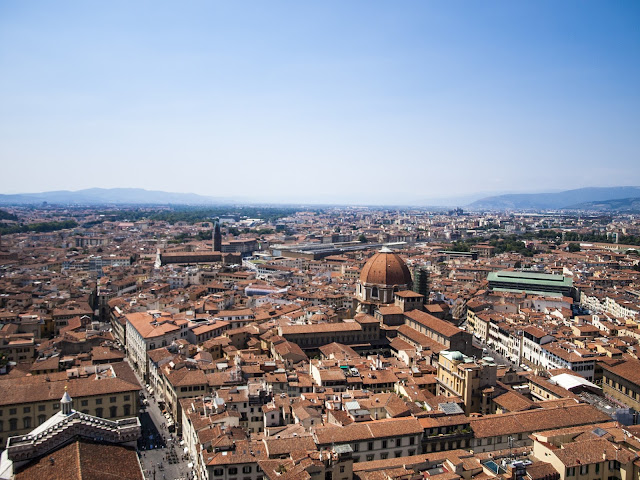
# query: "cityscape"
{"type": "Point", "coordinates": [320, 240]}
{"type": "Point", "coordinates": [333, 342]}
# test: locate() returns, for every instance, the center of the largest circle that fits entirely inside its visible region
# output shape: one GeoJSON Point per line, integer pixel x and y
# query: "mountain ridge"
{"type": "Point", "coordinates": [568, 199]}
{"type": "Point", "coordinates": [589, 198]}
{"type": "Point", "coordinates": [118, 196]}
{"type": "Point", "coordinates": [627, 205]}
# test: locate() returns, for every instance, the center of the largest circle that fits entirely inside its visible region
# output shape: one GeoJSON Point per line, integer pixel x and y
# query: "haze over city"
{"type": "Point", "coordinates": [326, 102]}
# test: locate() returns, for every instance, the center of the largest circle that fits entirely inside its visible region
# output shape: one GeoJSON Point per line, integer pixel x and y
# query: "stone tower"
{"type": "Point", "coordinates": [217, 236]}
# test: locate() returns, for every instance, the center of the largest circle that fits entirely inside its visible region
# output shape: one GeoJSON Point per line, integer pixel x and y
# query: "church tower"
{"type": "Point", "coordinates": [217, 236]}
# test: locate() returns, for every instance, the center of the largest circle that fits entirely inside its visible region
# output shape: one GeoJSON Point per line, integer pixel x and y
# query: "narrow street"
{"type": "Point", "coordinates": [161, 454]}
{"type": "Point", "coordinates": [499, 359]}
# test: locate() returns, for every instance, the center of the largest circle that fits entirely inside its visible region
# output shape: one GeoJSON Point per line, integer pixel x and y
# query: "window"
{"type": "Point", "coordinates": [398, 442]}
{"type": "Point", "coordinates": [370, 457]}
{"type": "Point", "coordinates": [584, 469]}
{"type": "Point", "coordinates": [412, 441]}
{"type": "Point", "coordinates": [233, 470]}
{"type": "Point", "coordinates": [42, 419]}
{"type": "Point", "coordinates": [13, 411]}
{"type": "Point", "coordinates": [26, 410]}
{"type": "Point", "coordinates": [412, 452]}
{"type": "Point", "coordinates": [112, 399]}
{"type": "Point", "coordinates": [113, 411]}
{"type": "Point", "coordinates": [13, 424]}
{"type": "Point", "coordinates": [41, 408]}
{"type": "Point", "coordinates": [126, 398]}
{"type": "Point", "coordinates": [384, 444]}
{"type": "Point", "coordinates": [84, 403]}
{"type": "Point", "coordinates": [356, 447]}
{"type": "Point", "coordinates": [384, 456]}
{"type": "Point", "coordinates": [571, 472]}
{"type": "Point", "coordinates": [370, 446]}
{"type": "Point", "coordinates": [98, 401]}
{"type": "Point", "coordinates": [1, 426]}
{"type": "Point", "coordinates": [99, 411]}
{"type": "Point", "coordinates": [597, 468]}
{"type": "Point", "coordinates": [26, 421]}
{"type": "Point", "coordinates": [218, 472]}
{"type": "Point", "coordinates": [341, 468]}
{"type": "Point", "coordinates": [397, 453]}
{"type": "Point", "coordinates": [246, 469]}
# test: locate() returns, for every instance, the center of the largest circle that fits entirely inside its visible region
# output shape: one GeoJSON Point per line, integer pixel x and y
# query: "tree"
{"type": "Point", "coordinates": [574, 247]}
{"type": "Point", "coordinates": [362, 238]}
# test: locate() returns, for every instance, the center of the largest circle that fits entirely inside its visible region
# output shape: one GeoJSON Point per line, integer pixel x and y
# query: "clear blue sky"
{"type": "Point", "coordinates": [321, 101]}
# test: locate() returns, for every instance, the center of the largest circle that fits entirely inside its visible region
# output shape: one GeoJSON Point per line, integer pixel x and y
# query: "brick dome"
{"type": "Point", "coordinates": [385, 268]}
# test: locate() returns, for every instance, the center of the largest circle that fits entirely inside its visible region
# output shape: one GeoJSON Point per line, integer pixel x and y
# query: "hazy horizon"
{"type": "Point", "coordinates": [320, 103]}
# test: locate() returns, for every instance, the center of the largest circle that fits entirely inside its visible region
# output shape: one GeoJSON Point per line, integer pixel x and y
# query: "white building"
{"type": "Point", "coordinates": [150, 330]}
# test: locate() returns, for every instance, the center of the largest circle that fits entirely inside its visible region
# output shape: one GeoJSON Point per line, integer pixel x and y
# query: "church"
{"type": "Point", "coordinates": [386, 280]}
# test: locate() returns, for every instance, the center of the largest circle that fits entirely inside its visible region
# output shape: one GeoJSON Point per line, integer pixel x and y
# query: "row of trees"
{"type": "Point", "coordinates": [199, 214]}
{"type": "Point", "coordinates": [500, 244]}
{"type": "Point", "coordinates": [4, 215]}
{"type": "Point", "coordinates": [515, 243]}
{"type": "Point", "coordinates": [39, 227]}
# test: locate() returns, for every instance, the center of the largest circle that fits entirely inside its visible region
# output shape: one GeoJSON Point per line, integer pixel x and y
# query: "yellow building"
{"type": "Point", "coordinates": [591, 457]}
{"type": "Point", "coordinates": [107, 391]}
{"type": "Point", "coordinates": [467, 378]}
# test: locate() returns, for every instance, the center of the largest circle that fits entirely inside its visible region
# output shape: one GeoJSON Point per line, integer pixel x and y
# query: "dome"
{"type": "Point", "coordinates": [385, 268]}
{"type": "Point", "coordinates": [457, 356]}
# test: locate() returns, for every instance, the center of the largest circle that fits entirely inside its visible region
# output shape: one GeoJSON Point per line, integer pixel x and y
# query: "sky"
{"type": "Point", "coordinates": [326, 101]}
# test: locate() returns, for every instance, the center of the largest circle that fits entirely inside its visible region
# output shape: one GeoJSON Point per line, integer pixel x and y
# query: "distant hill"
{"type": "Point", "coordinates": [554, 201]}
{"type": "Point", "coordinates": [106, 196]}
{"type": "Point", "coordinates": [618, 205]}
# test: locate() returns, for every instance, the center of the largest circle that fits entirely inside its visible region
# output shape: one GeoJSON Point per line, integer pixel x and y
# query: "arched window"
{"type": "Point", "coordinates": [99, 411]}
{"type": "Point", "coordinates": [26, 421]}
{"type": "Point", "coordinates": [13, 424]}
{"type": "Point", "coordinates": [127, 409]}
{"type": "Point", "coordinates": [374, 292]}
{"type": "Point", "coordinates": [113, 411]}
{"type": "Point", "coordinates": [42, 419]}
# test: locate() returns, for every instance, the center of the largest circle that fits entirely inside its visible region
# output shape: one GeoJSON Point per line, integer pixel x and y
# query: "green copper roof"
{"type": "Point", "coordinates": [527, 278]}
